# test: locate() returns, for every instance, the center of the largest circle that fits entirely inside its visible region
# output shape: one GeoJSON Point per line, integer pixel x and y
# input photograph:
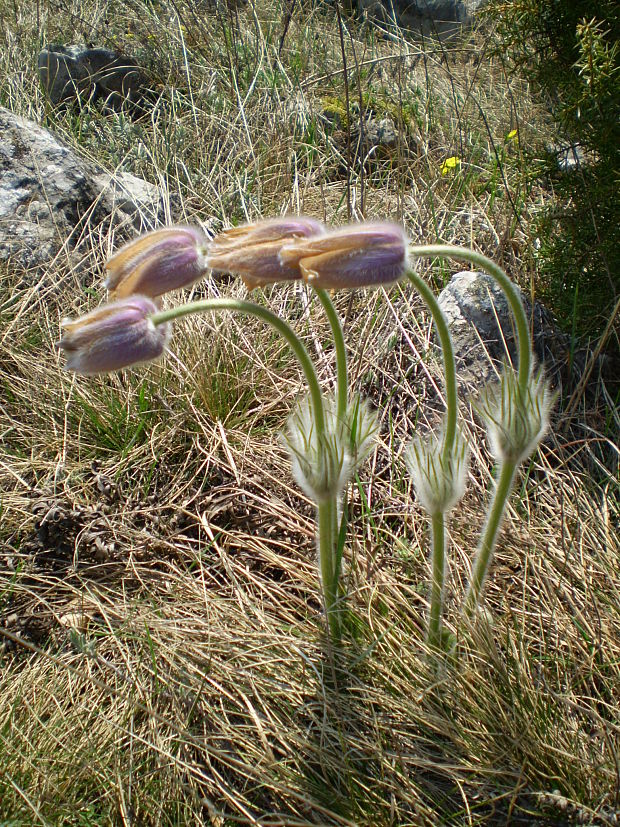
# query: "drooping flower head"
{"type": "Point", "coordinates": [252, 251]}
{"type": "Point", "coordinates": [358, 255]}
{"type": "Point", "coordinates": [112, 337]}
{"type": "Point", "coordinates": [158, 262]}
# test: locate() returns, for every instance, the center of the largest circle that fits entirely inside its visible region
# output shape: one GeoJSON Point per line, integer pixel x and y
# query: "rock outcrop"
{"type": "Point", "coordinates": [53, 200]}
{"type": "Point", "coordinates": [484, 339]}
{"type": "Point", "coordinates": [77, 72]}
{"type": "Point", "coordinates": [430, 17]}
{"type": "Point", "coordinates": [483, 330]}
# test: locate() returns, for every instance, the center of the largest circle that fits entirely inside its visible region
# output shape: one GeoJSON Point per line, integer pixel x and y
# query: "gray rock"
{"type": "Point", "coordinates": [130, 194]}
{"type": "Point", "coordinates": [76, 72]}
{"type": "Point", "coordinates": [376, 134]}
{"type": "Point", "coordinates": [52, 199]}
{"type": "Point", "coordinates": [483, 330]}
{"type": "Point", "coordinates": [375, 138]}
{"type": "Point", "coordinates": [568, 157]}
{"type": "Point", "coordinates": [481, 326]}
{"type": "Point", "coordinates": [430, 17]}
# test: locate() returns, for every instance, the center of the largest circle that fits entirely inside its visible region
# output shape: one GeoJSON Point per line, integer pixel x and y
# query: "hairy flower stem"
{"type": "Point", "coordinates": [510, 291]}
{"type": "Point", "coordinates": [488, 539]}
{"type": "Point", "coordinates": [341, 352]}
{"type": "Point", "coordinates": [327, 510]}
{"type": "Point", "coordinates": [447, 352]}
{"type": "Point", "coordinates": [438, 528]}
{"type": "Point", "coordinates": [508, 468]}
{"type": "Point", "coordinates": [438, 532]}
{"type": "Point", "coordinates": [327, 564]}
{"type": "Point", "coordinates": [328, 548]}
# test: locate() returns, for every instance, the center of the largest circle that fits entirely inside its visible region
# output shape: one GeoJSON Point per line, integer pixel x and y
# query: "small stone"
{"type": "Point", "coordinates": [568, 157]}
{"type": "Point", "coordinates": [376, 134]}
{"type": "Point", "coordinates": [77, 621]}
{"type": "Point", "coordinates": [430, 17]}
{"type": "Point", "coordinates": [75, 72]}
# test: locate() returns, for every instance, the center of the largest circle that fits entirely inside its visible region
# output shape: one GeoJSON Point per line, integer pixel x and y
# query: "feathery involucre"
{"type": "Point", "coordinates": [439, 481]}
{"type": "Point", "coordinates": [516, 420]}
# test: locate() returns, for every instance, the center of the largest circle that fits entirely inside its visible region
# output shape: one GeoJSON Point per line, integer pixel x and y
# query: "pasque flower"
{"type": "Point", "coordinates": [439, 480]}
{"type": "Point", "coordinates": [252, 251]}
{"type": "Point", "coordinates": [166, 259]}
{"type": "Point", "coordinates": [516, 419]}
{"type": "Point", "coordinates": [113, 336]}
{"type": "Point", "coordinates": [321, 463]}
{"type": "Point", "coordinates": [358, 255]}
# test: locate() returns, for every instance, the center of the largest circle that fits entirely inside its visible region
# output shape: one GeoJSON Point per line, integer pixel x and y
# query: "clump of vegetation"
{"type": "Point", "coordinates": [570, 51]}
{"type": "Point", "coordinates": [328, 439]}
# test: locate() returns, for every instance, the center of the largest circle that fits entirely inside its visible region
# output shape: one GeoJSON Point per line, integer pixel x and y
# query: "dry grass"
{"type": "Point", "coordinates": [164, 661]}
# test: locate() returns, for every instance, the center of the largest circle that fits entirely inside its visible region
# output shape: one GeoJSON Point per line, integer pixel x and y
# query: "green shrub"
{"type": "Point", "coordinates": [569, 50]}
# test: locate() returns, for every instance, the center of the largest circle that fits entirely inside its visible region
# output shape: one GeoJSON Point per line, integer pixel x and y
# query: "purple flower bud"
{"type": "Point", "coordinates": [157, 262]}
{"type": "Point", "coordinates": [252, 251]}
{"type": "Point", "coordinates": [113, 336]}
{"type": "Point", "coordinates": [359, 255]}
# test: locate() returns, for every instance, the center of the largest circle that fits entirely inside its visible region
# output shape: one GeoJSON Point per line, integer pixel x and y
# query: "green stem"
{"type": "Point", "coordinates": [341, 352]}
{"type": "Point", "coordinates": [327, 563]}
{"type": "Point", "coordinates": [251, 309]}
{"type": "Point", "coordinates": [449, 365]}
{"type": "Point", "coordinates": [326, 510]}
{"type": "Point", "coordinates": [510, 291]}
{"type": "Point", "coordinates": [489, 537]}
{"type": "Point", "coordinates": [438, 531]}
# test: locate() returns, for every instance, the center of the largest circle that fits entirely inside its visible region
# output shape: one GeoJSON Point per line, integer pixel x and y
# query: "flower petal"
{"type": "Point", "coordinates": [363, 255]}
{"type": "Point", "coordinates": [252, 251]}
{"type": "Point", "coordinates": [158, 262]}
{"type": "Point", "coordinates": [112, 337]}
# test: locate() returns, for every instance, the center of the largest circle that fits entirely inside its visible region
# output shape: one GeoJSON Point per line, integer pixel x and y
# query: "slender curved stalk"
{"type": "Point", "coordinates": [327, 563]}
{"type": "Point", "coordinates": [342, 399]}
{"type": "Point", "coordinates": [489, 537]}
{"type": "Point", "coordinates": [438, 528]}
{"type": "Point", "coordinates": [251, 309]}
{"type": "Point", "coordinates": [327, 536]}
{"type": "Point", "coordinates": [341, 352]}
{"type": "Point", "coordinates": [438, 531]}
{"type": "Point", "coordinates": [510, 291]}
{"type": "Point", "coordinates": [449, 365]}
{"type": "Point", "coordinates": [508, 468]}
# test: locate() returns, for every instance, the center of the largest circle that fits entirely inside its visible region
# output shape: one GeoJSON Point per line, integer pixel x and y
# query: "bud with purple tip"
{"type": "Point", "coordinates": [113, 336]}
{"type": "Point", "coordinates": [158, 262]}
{"type": "Point", "coordinates": [359, 255]}
{"type": "Point", "coordinates": [253, 251]}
